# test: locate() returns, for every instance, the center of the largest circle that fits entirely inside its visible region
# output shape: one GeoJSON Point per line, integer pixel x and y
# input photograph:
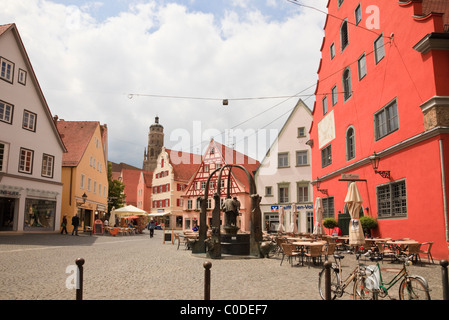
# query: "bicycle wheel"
{"type": "Point", "coordinates": [361, 292]}
{"type": "Point", "coordinates": [413, 288]}
{"type": "Point", "coordinates": [334, 283]}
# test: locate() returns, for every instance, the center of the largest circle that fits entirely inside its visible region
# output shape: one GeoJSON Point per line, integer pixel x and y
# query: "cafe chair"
{"type": "Point", "coordinates": [328, 250]}
{"type": "Point", "coordinates": [289, 250]}
{"type": "Point", "coordinates": [427, 251]}
{"type": "Point", "coordinates": [385, 252]}
{"type": "Point", "coordinates": [413, 250]}
{"type": "Point", "coordinates": [314, 253]}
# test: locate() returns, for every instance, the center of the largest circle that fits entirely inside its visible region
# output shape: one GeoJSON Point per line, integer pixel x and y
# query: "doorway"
{"type": "Point", "coordinates": [7, 206]}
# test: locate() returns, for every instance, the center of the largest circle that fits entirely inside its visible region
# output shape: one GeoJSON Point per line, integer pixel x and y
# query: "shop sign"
{"type": "Point", "coordinates": [9, 193]}
{"type": "Point", "coordinates": [289, 207]}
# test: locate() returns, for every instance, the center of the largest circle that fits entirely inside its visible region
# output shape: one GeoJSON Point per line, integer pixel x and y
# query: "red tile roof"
{"type": "Point", "coordinates": [437, 6]}
{"type": "Point", "coordinates": [76, 136]}
{"type": "Point", "coordinates": [184, 164]}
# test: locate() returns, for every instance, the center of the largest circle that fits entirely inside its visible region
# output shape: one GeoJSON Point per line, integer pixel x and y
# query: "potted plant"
{"type": "Point", "coordinates": [368, 223]}
{"type": "Point", "coordinates": [330, 223]}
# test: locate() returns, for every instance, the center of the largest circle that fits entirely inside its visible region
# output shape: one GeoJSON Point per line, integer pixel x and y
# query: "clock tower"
{"type": "Point", "coordinates": [155, 144]}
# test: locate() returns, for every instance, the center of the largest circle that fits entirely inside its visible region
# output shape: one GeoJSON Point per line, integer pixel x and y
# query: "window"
{"type": "Point", "coordinates": [303, 193]}
{"type": "Point", "coordinates": [22, 77]}
{"type": "Point", "coordinates": [6, 111]}
{"type": "Point", "coordinates": [268, 191]}
{"type": "Point", "coordinates": [283, 160]}
{"type": "Point", "coordinates": [206, 168]}
{"type": "Point", "coordinates": [340, 2]}
{"type": "Point", "coordinates": [6, 70]}
{"type": "Point", "coordinates": [362, 66]}
{"type": "Point", "coordinates": [301, 132]}
{"type": "Point", "coordinates": [358, 14]}
{"type": "Point", "coordinates": [379, 49]}
{"type": "Point", "coordinates": [328, 205]}
{"type": "Point", "coordinates": [386, 120]}
{"type": "Point", "coordinates": [3, 156]}
{"type": "Point", "coordinates": [326, 156]}
{"type": "Point", "coordinates": [82, 182]}
{"type": "Point", "coordinates": [26, 161]}
{"type": "Point", "coordinates": [302, 158]}
{"type": "Point", "coordinates": [324, 105]}
{"type": "Point", "coordinates": [47, 165]}
{"type": "Point", "coordinates": [392, 200]}
{"type": "Point", "coordinates": [283, 193]}
{"type": "Point", "coordinates": [29, 120]}
{"type": "Point", "coordinates": [347, 86]}
{"type": "Point", "coordinates": [350, 144]}
{"type": "Point", "coordinates": [189, 205]}
{"type": "Point", "coordinates": [332, 50]}
{"type": "Point", "coordinates": [344, 35]}
{"type": "Point", "coordinates": [334, 96]}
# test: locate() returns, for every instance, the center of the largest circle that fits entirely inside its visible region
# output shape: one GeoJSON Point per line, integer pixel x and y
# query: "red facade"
{"type": "Point", "coordinates": [383, 87]}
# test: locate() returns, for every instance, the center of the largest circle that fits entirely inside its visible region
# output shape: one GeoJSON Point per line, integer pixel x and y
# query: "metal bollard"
{"type": "Point", "coordinates": [207, 265]}
{"type": "Point", "coordinates": [79, 288]}
{"type": "Point", "coordinates": [327, 280]}
{"type": "Point", "coordinates": [444, 275]}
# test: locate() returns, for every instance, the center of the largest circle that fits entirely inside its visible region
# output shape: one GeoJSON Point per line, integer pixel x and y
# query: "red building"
{"type": "Point", "coordinates": [383, 88]}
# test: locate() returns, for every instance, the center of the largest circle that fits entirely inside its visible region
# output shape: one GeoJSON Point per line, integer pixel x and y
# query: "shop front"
{"type": "Point", "coordinates": [28, 208]}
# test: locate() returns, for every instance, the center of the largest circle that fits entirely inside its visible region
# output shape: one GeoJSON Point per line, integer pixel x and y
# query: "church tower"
{"type": "Point", "coordinates": [155, 144]}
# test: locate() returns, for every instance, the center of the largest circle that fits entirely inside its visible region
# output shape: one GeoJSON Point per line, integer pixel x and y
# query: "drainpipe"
{"type": "Point", "coordinates": [443, 184]}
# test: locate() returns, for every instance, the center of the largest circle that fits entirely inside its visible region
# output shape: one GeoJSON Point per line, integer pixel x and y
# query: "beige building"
{"type": "Point", "coordinates": [84, 171]}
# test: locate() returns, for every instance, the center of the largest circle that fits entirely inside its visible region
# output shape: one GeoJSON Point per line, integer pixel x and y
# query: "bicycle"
{"type": "Point", "coordinates": [338, 286]}
{"type": "Point", "coordinates": [371, 285]}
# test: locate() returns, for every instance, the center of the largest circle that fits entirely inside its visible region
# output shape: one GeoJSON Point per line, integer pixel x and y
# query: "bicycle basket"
{"type": "Point", "coordinates": [373, 277]}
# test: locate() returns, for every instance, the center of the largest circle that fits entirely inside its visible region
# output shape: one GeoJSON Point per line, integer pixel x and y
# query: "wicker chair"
{"type": "Point", "coordinates": [427, 251]}
{"type": "Point", "coordinates": [413, 250]}
{"type": "Point", "coordinates": [289, 250]}
{"type": "Point", "coordinates": [328, 250]}
{"type": "Point", "coordinates": [385, 252]}
{"type": "Point", "coordinates": [314, 253]}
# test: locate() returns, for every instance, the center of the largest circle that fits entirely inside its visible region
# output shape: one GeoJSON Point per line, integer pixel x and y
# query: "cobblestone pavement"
{"type": "Point", "coordinates": [137, 267]}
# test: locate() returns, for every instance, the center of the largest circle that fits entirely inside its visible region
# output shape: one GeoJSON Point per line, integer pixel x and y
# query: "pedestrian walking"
{"type": "Point", "coordinates": [75, 224]}
{"type": "Point", "coordinates": [64, 225]}
{"type": "Point", "coordinates": [151, 228]}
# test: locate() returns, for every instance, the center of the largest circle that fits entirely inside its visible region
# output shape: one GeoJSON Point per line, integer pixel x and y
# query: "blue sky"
{"type": "Point", "coordinates": [125, 62]}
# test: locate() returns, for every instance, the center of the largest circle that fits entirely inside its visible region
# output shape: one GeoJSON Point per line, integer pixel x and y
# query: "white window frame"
{"type": "Point", "coordinates": [304, 156]}
{"type": "Point", "coordinates": [26, 161]}
{"type": "Point", "coordinates": [283, 160]}
{"type": "Point", "coordinates": [6, 70]}
{"type": "Point", "coordinates": [29, 120]}
{"type": "Point", "coordinates": [361, 65]}
{"type": "Point", "coordinates": [48, 163]}
{"type": "Point", "coordinates": [4, 152]}
{"type": "Point", "coordinates": [6, 112]}
{"type": "Point", "coordinates": [379, 48]}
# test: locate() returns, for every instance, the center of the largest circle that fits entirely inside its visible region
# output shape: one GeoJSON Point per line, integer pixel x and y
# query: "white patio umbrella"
{"type": "Point", "coordinates": [319, 209]}
{"type": "Point", "coordinates": [130, 210]}
{"type": "Point", "coordinates": [112, 217]}
{"type": "Point", "coordinates": [294, 221]}
{"type": "Point", "coordinates": [281, 227]}
{"type": "Point", "coordinates": [353, 202]}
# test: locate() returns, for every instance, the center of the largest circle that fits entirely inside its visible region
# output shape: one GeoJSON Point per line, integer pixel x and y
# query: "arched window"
{"type": "Point", "coordinates": [344, 35]}
{"type": "Point", "coordinates": [347, 86]}
{"type": "Point", "coordinates": [350, 143]}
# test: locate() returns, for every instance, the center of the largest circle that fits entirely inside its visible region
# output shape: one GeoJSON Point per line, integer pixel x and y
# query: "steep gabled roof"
{"type": "Point", "coordinates": [184, 164]}
{"type": "Point", "coordinates": [437, 6]}
{"type": "Point", "coordinates": [76, 136]}
{"type": "Point", "coordinates": [13, 28]}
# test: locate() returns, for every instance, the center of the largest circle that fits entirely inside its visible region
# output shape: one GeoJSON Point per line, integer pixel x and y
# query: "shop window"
{"type": "Point", "coordinates": [39, 214]}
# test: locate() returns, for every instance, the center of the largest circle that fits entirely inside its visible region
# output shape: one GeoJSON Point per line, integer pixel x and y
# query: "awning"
{"type": "Point", "coordinates": [158, 214]}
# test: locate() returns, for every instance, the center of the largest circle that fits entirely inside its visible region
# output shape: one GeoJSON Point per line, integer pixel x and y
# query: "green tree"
{"type": "Point", "coordinates": [116, 188]}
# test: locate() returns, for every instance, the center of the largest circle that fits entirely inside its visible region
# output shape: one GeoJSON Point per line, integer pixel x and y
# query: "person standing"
{"type": "Point", "coordinates": [151, 228]}
{"type": "Point", "coordinates": [75, 224]}
{"type": "Point", "coordinates": [64, 225]}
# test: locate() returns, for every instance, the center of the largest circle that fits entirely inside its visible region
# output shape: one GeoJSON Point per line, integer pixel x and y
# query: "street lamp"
{"type": "Point", "coordinates": [375, 159]}
{"type": "Point", "coordinates": [84, 196]}
{"type": "Point", "coordinates": [318, 184]}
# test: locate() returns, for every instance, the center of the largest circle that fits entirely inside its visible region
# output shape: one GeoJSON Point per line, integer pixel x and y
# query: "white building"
{"type": "Point", "coordinates": [284, 176]}
{"type": "Point", "coordinates": [30, 147]}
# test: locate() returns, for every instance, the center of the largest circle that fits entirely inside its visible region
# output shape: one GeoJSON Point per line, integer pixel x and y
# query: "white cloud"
{"type": "Point", "coordinates": [87, 67]}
